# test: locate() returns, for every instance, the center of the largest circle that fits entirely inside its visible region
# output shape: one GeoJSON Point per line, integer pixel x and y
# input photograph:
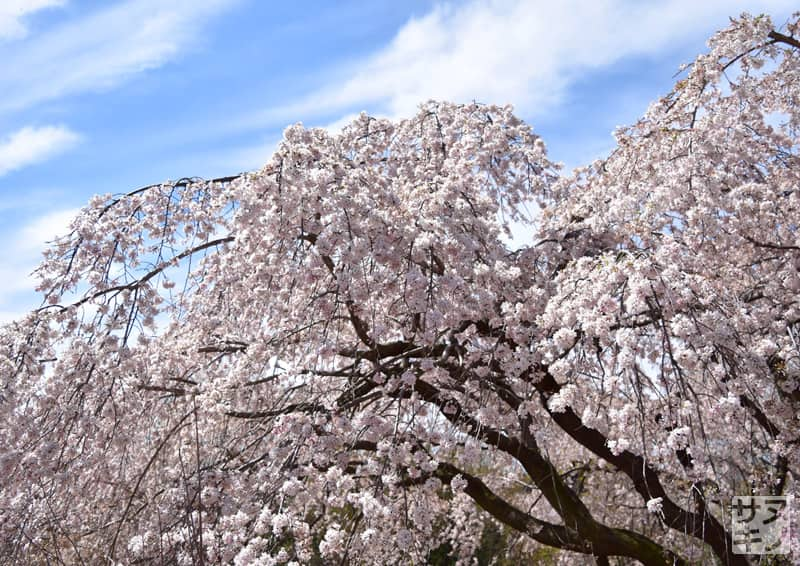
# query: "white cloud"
{"type": "Point", "coordinates": [31, 145]}
{"type": "Point", "coordinates": [244, 158]}
{"type": "Point", "coordinates": [21, 257]}
{"type": "Point", "coordinates": [43, 229]}
{"type": "Point", "coordinates": [337, 126]}
{"type": "Point", "coordinates": [12, 13]}
{"type": "Point", "coordinates": [101, 49]}
{"type": "Point", "coordinates": [522, 52]}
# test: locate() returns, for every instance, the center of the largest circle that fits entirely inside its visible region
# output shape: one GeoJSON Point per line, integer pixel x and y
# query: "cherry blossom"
{"type": "Point", "coordinates": [340, 357]}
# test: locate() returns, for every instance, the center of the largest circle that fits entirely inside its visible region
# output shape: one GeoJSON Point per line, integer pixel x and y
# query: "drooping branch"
{"type": "Point", "coordinates": [645, 479]}
{"type": "Point", "coordinates": [180, 424]}
{"type": "Point", "coordinates": [557, 536]}
{"type": "Point", "coordinates": [561, 497]}
{"type": "Point", "coordinates": [135, 284]}
{"type": "Point", "coordinates": [607, 542]}
{"type": "Point", "coordinates": [183, 182]}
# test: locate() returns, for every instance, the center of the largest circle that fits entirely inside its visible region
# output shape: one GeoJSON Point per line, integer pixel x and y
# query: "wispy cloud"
{"type": "Point", "coordinates": [43, 229]}
{"type": "Point", "coordinates": [13, 12]}
{"type": "Point", "coordinates": [22, 254]}
{"type": "Point", "coordinates": [31, 145]}
{"type": "Point", "coordinates": [522, 52]}
{"type": "Point", "coordinates": [101, 49]}
{"type": "Point", "coordinates": [242, 158]}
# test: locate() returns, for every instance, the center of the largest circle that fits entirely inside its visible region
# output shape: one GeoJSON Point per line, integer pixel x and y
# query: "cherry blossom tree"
{"type": "Point", "coordinates": [341, 358]}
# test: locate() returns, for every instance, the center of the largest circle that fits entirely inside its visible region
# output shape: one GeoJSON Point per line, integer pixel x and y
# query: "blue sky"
{"type": "Point", "coordinates": [107, 96]}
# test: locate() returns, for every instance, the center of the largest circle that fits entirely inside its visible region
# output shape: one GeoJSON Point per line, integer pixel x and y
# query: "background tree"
{"type": "Point", "coordinates": [340, 358]}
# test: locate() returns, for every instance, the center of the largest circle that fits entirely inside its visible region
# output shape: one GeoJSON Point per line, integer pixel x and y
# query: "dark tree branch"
{"type": "Point", "coordinates": [603, 539]}
{"type": "Point", "coordinates": [645, 479]}
{"type": "Point", "coordinates": [778, 37]}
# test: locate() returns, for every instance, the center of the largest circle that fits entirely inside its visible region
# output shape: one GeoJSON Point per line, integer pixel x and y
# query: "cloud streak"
{"type": "Point", "coordinates": [101, 49]}
{"type": "Point", "coordinates": [523, 52]}
{"type": "Point", "coordinates": [31, 145]}
{"type": "Point", "coordinates": [21, 258]}
{"type": "Point", "coordinates": [13, 12]}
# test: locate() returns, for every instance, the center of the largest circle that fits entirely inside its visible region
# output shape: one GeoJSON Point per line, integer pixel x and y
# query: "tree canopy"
{"type": "Point", "coordinates": [342, 357]}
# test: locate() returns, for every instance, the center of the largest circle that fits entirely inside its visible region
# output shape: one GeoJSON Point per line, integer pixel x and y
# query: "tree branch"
{"type": "Point", "coordinates": [778, 37]}
{"type": "Point", "coordinates": [645, 479]}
